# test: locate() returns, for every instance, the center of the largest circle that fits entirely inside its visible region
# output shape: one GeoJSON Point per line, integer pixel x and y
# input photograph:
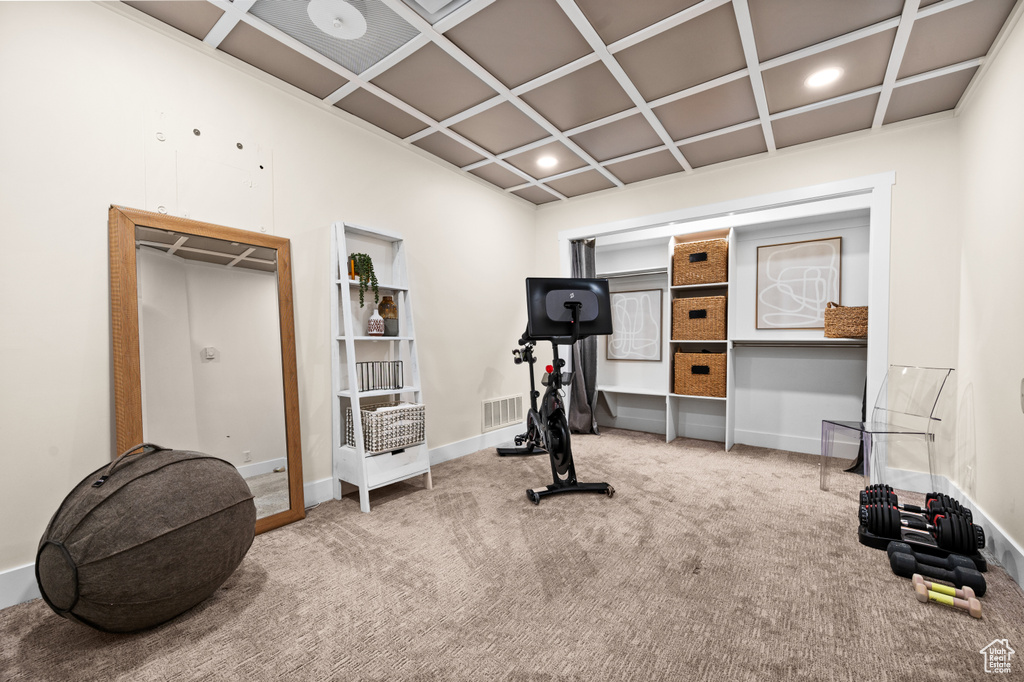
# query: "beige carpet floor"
{"type": "Point", "coordinates": [705, 565]}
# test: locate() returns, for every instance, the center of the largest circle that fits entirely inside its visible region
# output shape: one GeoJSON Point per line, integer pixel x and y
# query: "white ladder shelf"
{"type": "Point", "coordinates": [352, 464]}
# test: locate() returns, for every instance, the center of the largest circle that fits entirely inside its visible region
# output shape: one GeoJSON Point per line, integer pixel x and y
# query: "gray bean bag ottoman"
{"type": "Point", "coordinates": [145, 538]}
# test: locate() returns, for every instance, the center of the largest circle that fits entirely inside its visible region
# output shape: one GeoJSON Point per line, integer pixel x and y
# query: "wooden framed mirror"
{"type": "Point", "coordinates": [204, 349]}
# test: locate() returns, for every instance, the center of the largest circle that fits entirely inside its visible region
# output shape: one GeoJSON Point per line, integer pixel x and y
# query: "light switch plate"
{"type": "Point", "coordinates": [1022, 395]}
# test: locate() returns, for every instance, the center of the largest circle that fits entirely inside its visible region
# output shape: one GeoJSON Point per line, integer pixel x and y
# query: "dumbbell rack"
{"type": "Point", "coordinates": [869, 539]}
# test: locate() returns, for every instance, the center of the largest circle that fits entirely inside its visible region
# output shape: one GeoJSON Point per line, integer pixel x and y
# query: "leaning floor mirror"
{"type": "Point", "coordinates": [204, 350]}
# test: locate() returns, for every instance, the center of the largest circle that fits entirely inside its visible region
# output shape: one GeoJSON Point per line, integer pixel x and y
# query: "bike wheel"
{"type": "Point", "coordinates": [558, 443]}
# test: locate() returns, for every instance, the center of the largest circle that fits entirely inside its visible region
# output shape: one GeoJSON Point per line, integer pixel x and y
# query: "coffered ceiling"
{"type": "Point", "coordinates": [551, 99]}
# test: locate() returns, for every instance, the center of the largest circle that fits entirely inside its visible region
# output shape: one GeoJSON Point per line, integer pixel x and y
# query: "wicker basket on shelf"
{"type": "Point", "coordinates": [704, 262]}
{"type": "Point", "coordinates": [700, 374]}
{"type": "Point", "coordinates": [699, 318]}
{"type": "Point", "coordinates": [388, 426]}
{"type": "Point", "coordinates": [846, 322]}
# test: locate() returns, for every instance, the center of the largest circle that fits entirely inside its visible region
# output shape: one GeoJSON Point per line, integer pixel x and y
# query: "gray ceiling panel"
{"type": "Point", "coordinates": [435, 83]}
{"type": "Point", "coordinates": [645, 167]}
{"type": "Point", "coordinates": [928, 97]}
{"type": "Point", "coordinates": [784, 26]}
{"type": "Point", "coordinates": [493, 80]}
{"type": "Point", "coordinates": [260, 50]}
{"type": "Point", "coordinates": [698, 51]}
{"type": "Point", "coordinates": [189, 16]}
{"type": "Point", "coordinates": [819, 124]}
{"type": "Point", "coordinates": [631, 134]}
{"type": "Point", "coordinates": [954, 36]}
{"type": "Point", "coordinates": [518, 40]}
{"type": "Point", "coordinates": [712, 109]}
{"type": "Point", "coordinates": [721, 148]}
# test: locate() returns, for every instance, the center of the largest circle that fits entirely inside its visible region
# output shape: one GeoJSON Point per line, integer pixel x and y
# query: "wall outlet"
{"type": "Point", "coordinates": [247, 455]}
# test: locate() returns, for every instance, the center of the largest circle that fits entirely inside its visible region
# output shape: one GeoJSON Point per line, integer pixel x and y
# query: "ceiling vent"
{"type": "Point", "coordinates": [357, 43]}
{"type": "Point", "coordinates": [434, 10]}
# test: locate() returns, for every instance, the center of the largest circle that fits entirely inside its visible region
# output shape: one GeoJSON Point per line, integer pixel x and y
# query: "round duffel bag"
{"type": "Point", "coordinates": [145, 538]}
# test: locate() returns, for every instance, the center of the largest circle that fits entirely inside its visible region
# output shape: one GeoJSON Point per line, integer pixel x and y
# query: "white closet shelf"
{"type": "Point", "coordinates": [696, 397]}
{"type": "Point", "coordinates": [798, 342]}
{"type": "Point", "coordinates": [377, 338]}
{"type": "Point", "coordinates": [388, 287]}
{"type": "Point", "coordinates": [633, 272]}
{"type": "Point", "coordinates": [687, 287]}
{"type": "Point", "coordinates": [632, 391]}
{"type": "Point", "coordinates": [384, 391]}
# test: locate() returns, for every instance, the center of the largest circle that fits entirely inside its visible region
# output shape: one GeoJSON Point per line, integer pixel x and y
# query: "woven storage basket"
{"type": "Point", "coordinates": [701, 262]}
{"type": "Point", "coordinates": [698, 319]}
{"type": "Point", "coordinates": [388, 426]}
{"type": "Point", "coordinates": [700, 374]}
{"type": "Point", "coordinates": [846, 322]}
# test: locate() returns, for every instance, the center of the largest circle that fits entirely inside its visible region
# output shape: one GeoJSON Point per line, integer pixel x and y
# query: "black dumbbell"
{"type": "Point", "coordinates": [881, 489]}
{"type": "Point", "coordinates": [952, 532]}
{"type": "Point", "coordinates": [947, 563]}
{"type": "Point", "coordinates": [906, 565]}
{"type": "Point", "coordinates": [936, 504]}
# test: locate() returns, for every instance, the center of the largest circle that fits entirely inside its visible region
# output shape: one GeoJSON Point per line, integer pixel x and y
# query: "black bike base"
{"type": "Point", "coordinates": [534, 494]}
{"type": "Point", "coordinates": [525, 450]}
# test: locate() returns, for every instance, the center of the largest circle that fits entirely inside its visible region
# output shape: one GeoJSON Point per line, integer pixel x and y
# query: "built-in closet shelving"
{"type": "Point", "coordinates": [779, 383]}
{"type": "Point", "coordinates": [351, 345]}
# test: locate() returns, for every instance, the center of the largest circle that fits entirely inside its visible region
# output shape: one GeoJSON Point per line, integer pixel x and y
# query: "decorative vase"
{"type": "Point", "coordinates": [375, 327]}
{"type": "Point", "coordinates": [389, 311]}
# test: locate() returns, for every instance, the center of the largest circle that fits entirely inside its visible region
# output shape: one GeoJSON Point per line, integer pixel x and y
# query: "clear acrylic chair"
{"type": "Point", "coordinates": [905, 409]}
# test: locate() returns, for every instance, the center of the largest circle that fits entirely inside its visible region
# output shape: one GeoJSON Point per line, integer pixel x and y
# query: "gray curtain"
{"type": "Point", "coordinates": [584, 354]}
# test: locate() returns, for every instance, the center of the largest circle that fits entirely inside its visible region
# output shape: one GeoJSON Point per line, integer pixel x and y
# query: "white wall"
{"type": "Point", "coordinates": [78, 82]}
{"type": "Point", "coordinates": [991, 359]}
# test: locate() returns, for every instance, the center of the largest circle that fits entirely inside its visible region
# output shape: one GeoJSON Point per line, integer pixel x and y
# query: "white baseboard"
{"type": "Point", "coordinates": [779, 441]}
{"type": "Point", "coordinates": [998, 545]}
{"type": "Point", "coordinates": [315, 492]}
{"type": "Point", "coordinates": [635, 424]}
{"type": "Point", "coordinates": [18, 585]}
{"type": "Point", "coordinates": [257, 468]}
{"type": "Point", "coordinates": [468, 446]}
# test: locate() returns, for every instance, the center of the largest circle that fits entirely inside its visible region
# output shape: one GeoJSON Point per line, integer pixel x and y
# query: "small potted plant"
{"type": "Point", "coordinates": [361, 266]}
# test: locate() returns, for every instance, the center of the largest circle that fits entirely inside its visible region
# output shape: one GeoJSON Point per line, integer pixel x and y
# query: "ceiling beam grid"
{"type": "Point", "coordinates": [356, 81]}
{"type": "Point", "coordinates": [583, 25]}
{"type": "Point", "coordinates": [233, 12]}
{"type": "Point", "coordinates": [746, 29]}
{"type": "Point", "coordinates": [899, 47]}
{"type": "Point", "coordinates": [469, 63]}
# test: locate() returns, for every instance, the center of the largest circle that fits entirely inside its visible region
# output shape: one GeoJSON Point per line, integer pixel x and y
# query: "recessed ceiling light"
{"type": "Point", "coordinates": [337, 18]}
{"type": "Point", "coordinates": [547, 162]}
{"type": "Point", "coordinates": [823, 77]}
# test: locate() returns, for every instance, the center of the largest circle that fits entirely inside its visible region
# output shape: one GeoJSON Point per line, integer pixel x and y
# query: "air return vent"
{"type": "Point", "coordinates": [433, 10]}
{"type": "Point", "coordinates": [499, 412]}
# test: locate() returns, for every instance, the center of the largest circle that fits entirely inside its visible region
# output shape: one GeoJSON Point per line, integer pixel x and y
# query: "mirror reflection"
{"type": "Point", "coordinates": [210, 355]}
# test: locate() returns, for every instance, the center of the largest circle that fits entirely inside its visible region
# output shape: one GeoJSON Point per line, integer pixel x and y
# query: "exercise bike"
{"type": "Point", "coordinates": [531, 442]}
{"type": "Point", "coordinates": [555, 306]}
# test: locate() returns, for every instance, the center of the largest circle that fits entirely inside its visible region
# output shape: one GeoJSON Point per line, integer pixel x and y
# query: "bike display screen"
{"type": "Point", "coordinates": [548, 316]}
